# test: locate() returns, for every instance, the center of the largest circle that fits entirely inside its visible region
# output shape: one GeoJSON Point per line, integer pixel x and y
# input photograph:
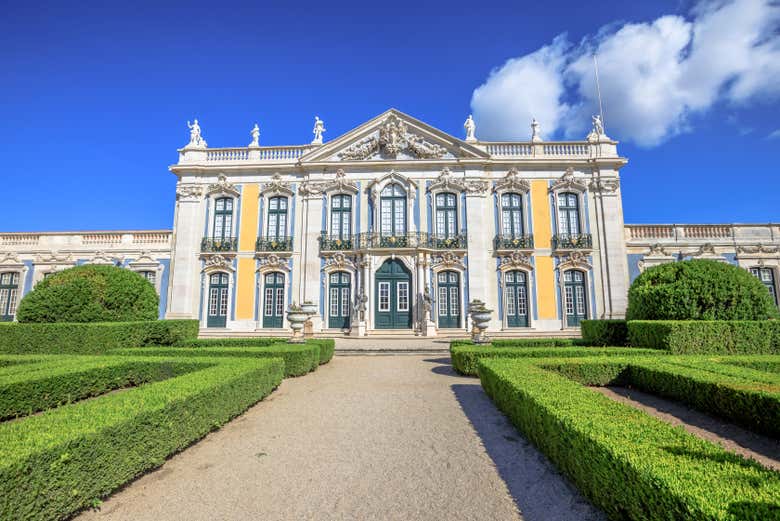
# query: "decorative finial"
{"type": "Point", "coordinates": [196, 140]}
{"type": "Point", "coordinates": [536, 135]}
{"type": "Point", "coordinates": [319, 128]}
{"type": "Point", "coordinates": [255, 133]}
{"type": "Point", "coordinates": [471, 128]}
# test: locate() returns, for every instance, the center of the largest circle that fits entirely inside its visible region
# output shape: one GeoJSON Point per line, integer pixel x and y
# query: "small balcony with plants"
{"type": "Point", "coordinates": [448, 242]}
{"type": "Point", "coordinates": [274, 244]}
{"type": "Point", "coordinates": [513, 242]}
{"type": "Point", "coordinates": [218, 244]}
{"type": "Point", "coordinates": [570, 241]}
{"type": "Point", "coordinates": [336, 242]}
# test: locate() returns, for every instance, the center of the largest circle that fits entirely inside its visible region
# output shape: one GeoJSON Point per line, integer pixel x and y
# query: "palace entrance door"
{"type": "Point", "coordinates": [392, 305]}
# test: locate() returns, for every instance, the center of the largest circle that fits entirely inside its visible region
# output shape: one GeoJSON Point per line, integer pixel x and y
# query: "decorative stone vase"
{"type": "Point", "coordinates": [480, 318]}
{"type": "Point", "coordinates": [310, 308]}
{"type": "Point", "coordinates": [297, 318]}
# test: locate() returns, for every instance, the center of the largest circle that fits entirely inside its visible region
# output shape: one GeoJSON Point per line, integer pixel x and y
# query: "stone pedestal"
{"type": "Point", "coordinates": [429, 328]}
{"type": "Point", "coordinates": [359, 329]}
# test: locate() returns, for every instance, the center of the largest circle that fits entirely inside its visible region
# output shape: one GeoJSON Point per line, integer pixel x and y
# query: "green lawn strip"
{"type": "Point", "coordinates": [465, 358]}
{"type": "Point", "coordinates": [65, 459]}
{"type": "Point", "coordinates": [768, 366]}
{"type": "Point", "coordinates": [630, 464]}
{"type": "Point", "coordinates": [723, 366]}
{"type": "Point", "coordinates": [70, 379]}
{"type": "Point", "coordinates": [299, 359]}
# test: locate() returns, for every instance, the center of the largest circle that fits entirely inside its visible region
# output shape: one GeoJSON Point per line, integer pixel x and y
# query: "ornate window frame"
{"type": "Point", "coordinates": [48, 263]}
{"type": "Point", "coordinates": [375, 190]}
{"type": "Point", "coordinates": [339, 263]}
{"type": "Point", "coordinates": [216, 264]}
{"type": "Point", "coordinates": [578, 261]}
{"type": "Point", "coordinates": [449, 261]}
{"type": "Point", "coordinates": [145, 262]}
{"type": "Point", "coordinates": [221, 189]}
{"type": "Point", "coordinates": [568, 183]}
{"type": "Point", "coordinates": [10, 263]}
{"type": "Point", "coordinates": [517, 261]}
{"type": "Point", "coordinates": [276, 187]}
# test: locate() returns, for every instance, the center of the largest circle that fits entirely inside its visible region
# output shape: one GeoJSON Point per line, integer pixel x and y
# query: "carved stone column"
{"type": "Point", "coordinates": [183, 297]}
{"type": "Point", "coordinates": [481, 265]}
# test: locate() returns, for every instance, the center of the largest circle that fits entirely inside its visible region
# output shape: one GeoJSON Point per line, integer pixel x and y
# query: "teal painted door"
{"type": "Point", "coordinates": [339, 300]}
{"type": "Point", "coordinates": [516, 286]}
{"type": "Point", "coordinates": [393, 309]}
{"type": "Point", "coordinates": [576, 297]}
{"type": "Point", "coordinates": [9, 291]}
{"type": "Point", "coordinates": [448, 302]}
{"type": "Point", "coordinates": [273, 300]}
{"type": "Point", "coordinates": [218, 300]}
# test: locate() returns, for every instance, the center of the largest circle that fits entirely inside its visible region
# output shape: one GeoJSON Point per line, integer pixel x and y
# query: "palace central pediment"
{"type": "Point", "coordinates": [393, 136]}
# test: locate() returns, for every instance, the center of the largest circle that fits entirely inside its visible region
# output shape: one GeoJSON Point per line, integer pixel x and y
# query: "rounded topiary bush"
{"type": "Point", "coordinates": [90, 294]}
{"type": "Point", "coordinates": [699, 290]}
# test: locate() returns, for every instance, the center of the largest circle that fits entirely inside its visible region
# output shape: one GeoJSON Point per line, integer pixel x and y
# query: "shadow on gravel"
{"type": "Point", "coordinates": [540, 492]}
{"type": "Point", "coordinates": [443, 360]}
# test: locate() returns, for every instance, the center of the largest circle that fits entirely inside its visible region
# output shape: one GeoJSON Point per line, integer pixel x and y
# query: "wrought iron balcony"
{"type": "Point", "coordinates": [274, 244]}
{"type": "Point", "coordinates": [336, 243]}
{"type": "Point", "coordinates": [452, 242]}
{"type": "Point", "coordinates": [513, 242]}
{"type": "Point", "coordinates": [218, 244]}
{"type": "Point", "coordinates": [565, 241]}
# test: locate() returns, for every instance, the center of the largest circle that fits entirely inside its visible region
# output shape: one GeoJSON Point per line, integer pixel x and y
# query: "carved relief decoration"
{"type": "Point", "coordinates": [53, 257]}
{"type": "Point", "coordinates": [218, 262]}
{"type": "Point", "coordinates": [477, 187]}
{"type": "Point", "coordinates": [568, 182]}
{"type": "Point", "coordinates": [604, 186]}
{"type": "Point", "coordinates": [707, 251]}
{"type": "Point", "coordinates": [273, 262]}
{"type": "Point", "coordinates": [102, 258]}
{"type": "Point", "coordinates": [339, 262]}
{"type": "Point", "coordinates": [446, 181]}
{"type": "Point", "coordinates": [656, 250]}
{"type": "Point", "coordinates": [575, 259]}
{"type": "Point", "coordinates": [757, 250]}
{"type": "Point", "coordinates": [448, 261]}
{"type": "Point", "coordinates": [393, 139]}
{"type": "Point", "coordinates": [512, 183]}
{"type": "Point", "coordinates": [145, 260]}
{"type": "Point", "coordinates": [516, 260]}
{"type": "Point", "coordinates": [11, 260]}
{"type": "Point", "coordinates": [276, 186]}
{"type": "Point", "coordinates": [223, 187]}
{"type": "Point", "coordinates": [189, 192]}
{"type": "Point", "coordinates": [339, 184]}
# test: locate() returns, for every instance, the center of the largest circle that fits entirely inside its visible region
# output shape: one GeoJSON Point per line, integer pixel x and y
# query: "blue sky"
{"type": "Point", "coordinates": [94, 100]}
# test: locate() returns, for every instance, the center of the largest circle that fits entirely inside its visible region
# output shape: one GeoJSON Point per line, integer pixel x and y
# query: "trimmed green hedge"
{"type": "Point", "coordinates": [605, 332]}
{"type": "Point", "coordinates": [57, 463]}
{"type": "Point", "coordinates": [230, 342]}
{"type": "Point", "coordinates": [299, 359]}
{"type": "Point", "coordinates": [699, 290]}
{"type": "Point", "coordinates": [73, 338]}
{"type": "Point", "coordinates": [706, 336]}
{"type": "Point", "coordinates": [630, 464]}
{"type": "Point", "coordinates": [524, 342]}
{"type": "Point", "coordinates": [465, 359]}
{"type": "Point", "coordinates": [90, 293]}
{"type": "Point", "coordinates": [54, 382]}
{"type": "Point", "coordinates": [327, 348]}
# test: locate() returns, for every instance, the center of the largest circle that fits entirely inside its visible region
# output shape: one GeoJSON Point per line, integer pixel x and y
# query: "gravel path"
{"type": "Point", "coordinates": [363, 438]}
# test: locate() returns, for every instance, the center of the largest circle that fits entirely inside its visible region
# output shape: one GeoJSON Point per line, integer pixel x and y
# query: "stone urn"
{"type": "Point", "coordinates": [480, 318]}
{"type": "Point", "coordinates": [296, 317]}
{"type": "Point", "coordinates": [310, 308]}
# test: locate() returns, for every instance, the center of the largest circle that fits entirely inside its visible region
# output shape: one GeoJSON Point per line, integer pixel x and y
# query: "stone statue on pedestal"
{"type": "Point", "coordinates": [255, 133]}
{"type": "Point", "coordinates": [196, 140]}
{"type": "Point", "coordinates": [536, 135]}
{"type": "Point", "coordinates": [598, 126]}
{"type": "Point", "coordinates": [319, 128]}
{"type": "Point", "coordinates": [471, 129]}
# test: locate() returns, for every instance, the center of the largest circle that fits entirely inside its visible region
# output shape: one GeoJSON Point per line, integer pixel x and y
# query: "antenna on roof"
{"type": "Point", "coordinates": [598, 89]}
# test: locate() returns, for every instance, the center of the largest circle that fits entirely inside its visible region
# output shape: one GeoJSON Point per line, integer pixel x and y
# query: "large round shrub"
{"type": "Point", "coordinates": [90, 294]}
{"type": "Point", "coordinates": [699, 290]}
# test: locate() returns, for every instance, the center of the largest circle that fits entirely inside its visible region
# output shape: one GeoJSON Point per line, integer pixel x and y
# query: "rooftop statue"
{"type": "Point", "coordinates": [196, 140]}
{"type": "Point", "coordinates": [536, 135]}
{"type": "Point", "coordinates": [255, 133]}
{"type": "Point", "coordinates": [598, 126]}
{"type": "Point", "coordinates": [319, 128]}
{"type": "Point", "coordinates": [471, 128]}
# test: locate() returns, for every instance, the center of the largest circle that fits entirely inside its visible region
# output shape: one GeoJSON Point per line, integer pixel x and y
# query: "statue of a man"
{"type": "Point", "coordinates": [471, 128]}
{"type": "Point", "coordinates": [427, 303]}
{"type": "Point", "coordinates": [319, 128]}
{"type": "Point", "coordinates": [255, 133]}
{"type": "Point", "coordinates": [535, 134]}
{"type": "Point", "coordinates": [598, 126]}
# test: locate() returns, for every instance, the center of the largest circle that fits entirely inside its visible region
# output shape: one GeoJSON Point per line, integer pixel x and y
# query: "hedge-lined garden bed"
{"type": "Point", "coordinates": [327, 346]}
{"type": "Point", "coordinates": [630, 464]}
{"type": "Point", "coordinates": [61, 461]}
{"type": "Point", "coordinates": [466, 358]}
{"type": "Point", "coordinates": [707, 336]}
{"type": "Point", "coordinates": [299, 359]}
{"type": "Point", "coordinates": [76, 338]}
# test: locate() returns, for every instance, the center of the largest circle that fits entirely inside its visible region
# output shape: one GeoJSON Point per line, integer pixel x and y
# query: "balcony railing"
{"type": "Point", "coordinates": [336, 243]}
{"type": "Point", "coordinates": [451, 242]}
{"type": "Point", "coordinates": [274, 244]}
{"type": "Point", "coordinates": [513, 242]}
{"type": "Point", "coordinates": [565, 241]}
{"type": "Point", "coordinates": [219, 244]}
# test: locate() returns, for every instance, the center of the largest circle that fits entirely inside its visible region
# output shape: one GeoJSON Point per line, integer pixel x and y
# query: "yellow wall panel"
{"type": "Point", "coordinates": [545, 287]}
{"type": "Point", "coordinates": [247, 235]}
{"type": "Point", "coordinates": [540, 203]}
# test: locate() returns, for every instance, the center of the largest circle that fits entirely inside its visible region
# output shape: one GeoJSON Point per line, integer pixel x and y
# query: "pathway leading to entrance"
{"type": "Point", "coordinates": [364, 437]}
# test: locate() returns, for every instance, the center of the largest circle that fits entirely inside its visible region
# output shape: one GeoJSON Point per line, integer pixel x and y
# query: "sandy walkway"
{"type": "Point", "coordinates": [367, 437]}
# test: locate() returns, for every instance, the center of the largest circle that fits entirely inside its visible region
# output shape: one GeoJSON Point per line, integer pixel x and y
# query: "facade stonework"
{"type": "Point", "coordinates": [394, 225]}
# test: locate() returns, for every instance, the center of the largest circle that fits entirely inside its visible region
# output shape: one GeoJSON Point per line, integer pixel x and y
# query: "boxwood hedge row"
{"type": "Point", "coordinates": [706, 336]}
{"type": "Point", "coordinates": [465, 358]}
{"type": "Point", "coordinates": [298, 359]}
{"type": "Point", "coordinates": [53, 382]}
{"type": "Point", "coordinates": [74, 338]}
{"type": "Point", "coordinates": [326, 345]}
{"type": "Point", "coordinates": [630, 464]}
{"type": "Point", "coordinates": [59, 462]}
{"type": "Point", "coordinates": [605, 332]}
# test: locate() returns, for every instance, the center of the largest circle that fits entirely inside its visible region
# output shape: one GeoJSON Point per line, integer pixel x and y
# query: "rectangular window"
{"type": "Point", "coordinates": [403, 296]}
{"type": "Point", "coordinates": [279, 302]}
{"type": "Point", "coordinates": [384, 296]}
{"type": "Point", "coordinates": [223, 302]}
{"type": "Point", "coordinates": [580, 300]}
{"type": "Point", "coordinates": [269, 302]}
{"type": "Point", "coordinates": [510, 301]}
{"type": "Point", "coordinates": [213, 301]}
{"type": "Point", "coordinates": [3, 300]}
{"type": "Point", "coordinates": [344, 302]}
{"type": "Point", "coordinates": [569, 301]}
{"type": "Point", "coordinates": [521, 301]}
{"type": "Point", "coordinates": [12, 302]}
{"type": "Point", "coordinates": [442, 302]}
{"type": "Point", "coordinates": [454, 301]}
{"type": "Point", "coordinates": [334, 302]}
{"type": "Point", "coordinates": [400, 218]}
{"type": "Point", "coordinates": [386, 224]}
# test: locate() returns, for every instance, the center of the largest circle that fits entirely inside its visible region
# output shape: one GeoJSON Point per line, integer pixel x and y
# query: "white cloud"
{"type": "Point", "coordinates": [653, 76]}
{"type": "Point", "coordinates": [774, 134]}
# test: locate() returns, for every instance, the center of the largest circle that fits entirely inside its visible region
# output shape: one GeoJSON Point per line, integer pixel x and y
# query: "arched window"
{"type": "Point", "coordinates": [277, 218]}
{"type": "Point", "coordinates": [273, 300]}
{"type": "Point", "coordinates": [446, 215]}
{"type": "Point", "coordinates": [568, 214]}
{"type": "Point", "coordinates": [223, 218]}
{"type": "Point", "coordinates": [392, 210]}
{"type": "Point", "coordinates": [512, 215]}
{"type": "Point", "coordinates": [150, 276]}
{"type": "Point", "coordinates": [576, 297]}
{"type": "Point", "coordinates": [218, 300]}
{"type": "Point", "coordinates": [516, 288]}
{"type": "Point", "coordinates": [341, 216]}
{"type": "Point", "coordinates": [767, 277]}
{"type": "Point", "coordinates": [9, 292]}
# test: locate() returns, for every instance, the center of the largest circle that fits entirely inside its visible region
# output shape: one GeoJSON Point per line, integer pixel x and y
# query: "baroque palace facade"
{"type": "Point", "coordinates": [394, 225]}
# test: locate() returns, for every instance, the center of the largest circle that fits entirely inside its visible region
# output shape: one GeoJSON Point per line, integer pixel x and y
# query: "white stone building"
{"type": "Point", "coordinates": [393, 225]}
